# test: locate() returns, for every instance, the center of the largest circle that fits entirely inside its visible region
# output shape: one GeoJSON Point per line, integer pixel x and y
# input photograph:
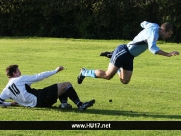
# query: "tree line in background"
{"type": "Point", "coordinates": [91, 19]}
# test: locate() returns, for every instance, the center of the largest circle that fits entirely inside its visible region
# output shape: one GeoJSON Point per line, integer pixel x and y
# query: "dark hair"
{"type": "Point", "coordinates": [167, 27]}
{"type": "Point", "coordinates": [10, 70]}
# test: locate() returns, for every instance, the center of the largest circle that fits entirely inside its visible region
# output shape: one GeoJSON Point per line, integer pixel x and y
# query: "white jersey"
{"type": "Point", "coordinates": [16, 90]}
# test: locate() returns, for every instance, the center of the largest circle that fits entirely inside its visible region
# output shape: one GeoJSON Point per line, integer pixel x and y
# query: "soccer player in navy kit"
{"type": "Point", "coordinates": [19, 89]}
{"type": "Point", "coordinates": [123, 56]}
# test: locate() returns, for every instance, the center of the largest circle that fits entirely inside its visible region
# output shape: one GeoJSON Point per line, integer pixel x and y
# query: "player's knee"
{"type": "Point", "coordinates": [64, 85]}
{"type": "Point", "coordinates": [68, 84]}
{"type": "Point", "coordinates": [124, 81]}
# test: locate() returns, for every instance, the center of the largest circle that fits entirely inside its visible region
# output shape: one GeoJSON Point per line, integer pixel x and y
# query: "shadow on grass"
{"type": "Point", "coordinates": [108, 112]}
{"type": "Point", "coordinates": [116, 113]}
{"type": "Point", "coordinates": [132, 114]}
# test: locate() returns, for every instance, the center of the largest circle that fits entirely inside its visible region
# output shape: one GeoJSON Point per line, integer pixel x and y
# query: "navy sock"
{"type": "Point", "coordinates": [63, 98]}
{"type": "Point", "coordinates": [71, 93]}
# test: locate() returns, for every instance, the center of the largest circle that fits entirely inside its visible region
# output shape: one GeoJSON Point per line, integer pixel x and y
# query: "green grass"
{"type": "Point", "coordinates": [152, 95]}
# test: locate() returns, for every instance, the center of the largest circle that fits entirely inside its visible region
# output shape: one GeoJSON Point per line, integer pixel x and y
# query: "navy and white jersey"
{"type": "Point", "coordinates": [16, 90]}
{"type": "Point", "coordinates": [146, 39]}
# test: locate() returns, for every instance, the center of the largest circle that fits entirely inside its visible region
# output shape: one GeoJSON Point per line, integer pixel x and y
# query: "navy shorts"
{"type": "Point", "coordinates": [122, 58]}
{"type": "Point", "coordinates": [46, 97]}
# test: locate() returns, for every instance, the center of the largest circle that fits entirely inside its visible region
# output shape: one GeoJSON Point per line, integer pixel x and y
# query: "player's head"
{"type": "Point", "coordinates": [12, 71]}
{"type": "Point", "coordinates": [166, 30]}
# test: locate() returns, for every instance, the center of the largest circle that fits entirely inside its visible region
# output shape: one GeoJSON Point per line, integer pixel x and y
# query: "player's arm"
{"type": "Point", "coordinates": [3, 97]}
{"type": "Point", "coordinates": [155, 49]}
{"type": "Point", "coordinates": [14, 104]}
{"type": "Point", "coordinates": [3, 103]}
{"type": "Point", "coordinates": [173, 53]}
{"type": "Point", "coordinates": [9, 104]}
{"type": "Point", "coordinates": [41, 76]}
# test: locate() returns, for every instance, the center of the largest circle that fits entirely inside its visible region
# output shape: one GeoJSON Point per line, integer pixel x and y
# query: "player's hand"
{"type": "Point", "coordinates": [173, 53]}
{"type": "Point", "coordinates": [14, 104]}
{"type": "Point", "coordinates": [60, 68]}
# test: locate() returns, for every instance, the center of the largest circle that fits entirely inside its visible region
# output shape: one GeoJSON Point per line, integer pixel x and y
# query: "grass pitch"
{"type": "Point", "coordinates": [152, 95]}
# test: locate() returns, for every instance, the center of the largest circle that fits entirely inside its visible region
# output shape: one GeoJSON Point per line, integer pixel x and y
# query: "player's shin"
{"type": "Point", "coordinates": [89, 73]}
{"type": "Point", "coordinates": [71, 93]}
{"type": "Point", "coordinates": [63, 98]}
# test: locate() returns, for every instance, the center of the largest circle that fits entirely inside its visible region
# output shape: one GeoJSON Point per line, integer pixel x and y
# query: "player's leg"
{"type": "Point", "coordinates": [111, 71]}
{"type": "Point", "coordinates": [63, 96]}
{"type": "Point", "coordinates": [125, 76]}
{"type": "Point", "coordinates": [120, 57]}
{"type": "Point", "coordinates": [71, 93]}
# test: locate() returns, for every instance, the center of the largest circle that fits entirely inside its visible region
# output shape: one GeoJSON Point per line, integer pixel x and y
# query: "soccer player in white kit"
{"type": "Point", "coordinates": [19, 89]}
